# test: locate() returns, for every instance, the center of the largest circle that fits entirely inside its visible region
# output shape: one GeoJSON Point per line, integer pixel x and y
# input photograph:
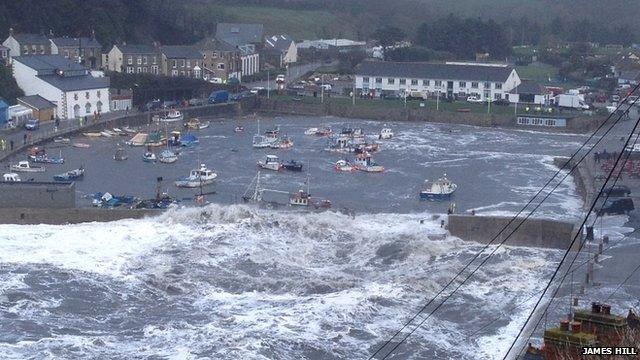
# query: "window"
{"type": "Point", "coordinates": [188, 63]}
{"type": "Point", "coordinates": [496, 96]}
{"type": "Point", "coordinates": [182, 62]}
{"type": "Point", "coordinates": [66, 54]}
{"type": "Point", "coordinates": [144, 60]}
{"type": "Point", "coordinates": [378, 80]}
{"type": "Point", "coordinates": [365, 79]}
{"type": "Point", "coordinates": [426, 82]}
{"type": "Point", "coordinates": [87, 108]}
{"type": "Point", "coordinates": [462, 84]}
{"type": "Point", "coordinates": [155, 59]}
{"type": "Point", "coordinates": [403, 81]}
{"type": "Point", "coordinates": [139, 69]}
{"type": "Point", "coordinates": [145, 69]}
{"type": "Point", "coordinates": [391, 81]}
{"type": "Point", "coordinates": [182, 73]}
{"type": "Point", "coordinates": [474, 85]}
{"type": "Point", "coordinates": [130, 60]}
{"type": "Point", "coordinates": [220, 66]}
{"type": "Point", "coordinates": [98, 93]}
{"type": "Point", "coordinates": [497, 85]}
{"type": "Point", "coordinates": [41, 49]}
{"type": "Point", "coordinates": [129, 69]}
{"type": "Point", "coordinates": [139, 60]}
{"type": "Point", "coordinates": [25, 49]}
{"type": "Point", "coordinates": [414, 82]}
{"type": "Point", "coordinates": [487, 85]}
{"type": "Point", "coordinates": [75, 96]}
{"type": "Point", "coordinates": [99, 106]}
{"type": "Point", "coordinates": [86, 94]}
{"type": "Point", "coordinates": [174, 72]}
{"type": "Point", "coordinates": [175, 64]}
{"type": "Point", "coordinates": [154, 69]}
{"type": "Point", "coordinates": [438, 83]}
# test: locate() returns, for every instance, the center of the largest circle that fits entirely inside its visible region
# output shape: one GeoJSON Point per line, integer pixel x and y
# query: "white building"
{"type": "Point", "coordinates": [281, 49]}
{"type": "Point", "coordinates": [324, 44]}
{"type": "Point", "coordinates": [449, 79]}
{"type": "Point", "coordinates": [530, 92]}
{"type": "Point", "coordinates": [67, 84]}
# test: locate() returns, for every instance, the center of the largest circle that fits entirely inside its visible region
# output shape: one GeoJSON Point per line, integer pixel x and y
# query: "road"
{"type": "Point", "coordinates": [294, 73]}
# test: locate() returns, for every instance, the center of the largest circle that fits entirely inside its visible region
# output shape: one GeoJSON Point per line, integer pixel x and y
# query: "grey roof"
{"type": "Point", "coordinates": [76, 42]}
{"type": "Point", "coordinates": [529, 87]}
{"type": "Point", "coordinates": [181, 52]}
{"type": "Point", "coordinates": [75, 83]}
{"type": "Point", "coordinates": [279, 42]}
{"type": "Point", "coordinates": [240, 34]}
{"type": "Point", "coordinates": [422, 70]}
{"type": "Point", "coordinates": [2, 47]}
{"type": "Point", "coordinates": [137, 49]}
{"type": "Point", "coordinates": [37, 39]}
{"type": "Point", "coordinates": [214, 44]}
{"type": "Point", "coordinates": [49, 62]}
{"type": "Point", "coordinates": [36, 102]}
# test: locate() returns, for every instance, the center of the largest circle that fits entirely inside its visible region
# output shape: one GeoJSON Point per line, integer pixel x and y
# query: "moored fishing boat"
{"type": "Point", "coordinates": [326, 131]}
{"type": "Point", "coordinates": [440, 189]}
{"type": "Point", "coordinates": [271, 162]}
{"type": "Point", "coordinates": [196, 124]}
{"type": "Point", "coordinates": [293, 165]}
{"type": "Point", "coordinates": [81, 145]}
{"type": "Point", "coordinates": [62, 140]}
{"type": "Point", "coordinates": [92, 134]}
{"type": "Point", "coordinates": [188, 140]}
{"type": "Point", "coordinates": [311, 131]}
{"type": "Point", "coordinates": [365, 163]}
{"type": "Point", "coordinates": [344, 166]}
{"type": "Point", "coordinates": [340, 145]}
{"type": "Point", "coordinates": [45, 159]}
{"type": "Point", "coordinates": [283, 143]}
{"type": "Point", "coordinates": [261, 141]}
{"type": "Point", "coordinates": [171, 116]}
{"type": "Point", "coordinates": [239, 129]}
{"type": "Point", "coordinates": [24, 166]}
{"type": "Point", "coordinates": [385, 134]}
{"type": "Point", "coordinates": [197, 177]}
{"type": "Point", "coordinates": [74, 174]}
{"type": "Point", "coordinates": [155, 139]}
{"type": "Point", "coordinates": [108, 200]}
{"type": "Point", "coordinates": [167, 157]}
{"type": "Point", "coordinates": [149, 156]}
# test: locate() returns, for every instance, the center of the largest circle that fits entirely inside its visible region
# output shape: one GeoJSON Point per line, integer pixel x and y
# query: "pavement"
{"type": "Point", "coordinates": [22, 137]}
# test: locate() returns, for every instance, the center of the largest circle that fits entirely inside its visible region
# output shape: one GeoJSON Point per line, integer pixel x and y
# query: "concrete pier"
{"type": "Point", "coordinates": [31, 216]}
{"type": "Point", "coordinates": [541, 233]}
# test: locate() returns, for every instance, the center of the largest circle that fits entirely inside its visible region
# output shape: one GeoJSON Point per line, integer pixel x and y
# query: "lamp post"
{"type": "Point", "coordinates": [268, 85]}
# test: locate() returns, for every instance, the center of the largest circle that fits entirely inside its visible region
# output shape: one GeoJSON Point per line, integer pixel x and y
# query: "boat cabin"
{"type": "Point", "coordinates": [301, 198]}
{"type": "Point", "coordinates": [271, 159]}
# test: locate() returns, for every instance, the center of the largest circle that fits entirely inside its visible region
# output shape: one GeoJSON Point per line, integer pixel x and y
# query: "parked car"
{"type": "Point", "coordinates": [215, 80]}
{"type": "Point", "coordinates": [196, 102]}
{"type": "Point", "coordinates": [280, 78]}
{"type": "Point", "coordinates": [257, 89]}
{"type": "Point", "coordinates": [168, 104]}
{"type": "Point", "coordinates": [502, 102]}
{"type": "Point", "coordinates": [153, 105]}
{"type": "Point", "coordinates": [617, 191]}
{"type": "Point", "coordinates": [391, 96]}
{"type": "Point", "coordinates": [474, 99]}
{"type": "Point", "coordinates": [217, 97]}
{"type": "Point", "coordinates": [241, 95]}
{"type": "Point", "coordinates": [326, 87]}
{"type": "Point", "coordinates": [32, 124]}
{"type": "Point", "coordinates": [617, 206]}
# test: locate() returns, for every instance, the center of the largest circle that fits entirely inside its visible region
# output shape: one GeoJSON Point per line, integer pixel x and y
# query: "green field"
{"type": "Point", "coordinates": [538, 72]}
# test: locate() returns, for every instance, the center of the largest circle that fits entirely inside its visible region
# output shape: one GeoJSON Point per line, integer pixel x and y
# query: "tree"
{"type": "Point", "coordinates": [388, 36]}
{"type": "Point", "coordinates": [9, 89]}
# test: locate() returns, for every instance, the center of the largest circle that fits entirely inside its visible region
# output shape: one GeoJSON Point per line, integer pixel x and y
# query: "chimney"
{"type": "Point", "coordinates": [50, 32]}
{"type": "Point", "coordinates": [595, 308]}
{"type": "Point", "coordinates": [93, 34]}
{"type": "Point", "coordinates": [576, 327]}
{"type": "Point", "coordinates": [564, 325]}
{"type": "Point", "coordinates": [10, 31]}
{"type": "Point", "coordinates": [606, 309]}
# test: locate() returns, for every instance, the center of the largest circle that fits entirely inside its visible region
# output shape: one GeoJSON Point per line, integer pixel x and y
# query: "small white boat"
{"type": "Point", "coordinates": [167, 157]}
{"type": "Point", "coordinates": [61, 140]}
{"type": "Point", "coordinates": [24, 166]}
{"type": "Point", "coordinates": [239, 129]}
{"type": "Point", "coordinates": [129, 130]}
{"type": "Point", "coordinates": [262, 142]}
{"type": "Point", "coordinates": [92, 134]}
{"type": "Point", "coordinates": [271, 162]}
{"type": "Point", "coordinates": [108, 133]}
{"type": "Point", "coordinates": [438, 190]}
{"type": "Point", "coordinates": [11, 177]}
{"type": "Point", "coordinates": [149, 156]}
{"type": "Point", "coordinates": [284, 143]}
{"type": "Point", "coordinates": [81, 145]}
{"type": "Point", "coordinates": [344, 166]}
{"type": "Point", "coordinates": [119, 132]}
{"type": "Point", "coordinates": [196, 124]}
{"type": "Point", "coordinates": [197, 178]}
{"type": "Point", "coordinates": [171, 116]}
{"type": "Point", "coordinates": [364, 162]}
{"type": "Point", "coordinates": [385, 134]}
{"type": "Point", "coordinates": [311, 131]}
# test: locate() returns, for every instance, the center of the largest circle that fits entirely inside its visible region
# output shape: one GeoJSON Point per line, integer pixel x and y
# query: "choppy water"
{"type": "Point", "coordinates": [239, 282]}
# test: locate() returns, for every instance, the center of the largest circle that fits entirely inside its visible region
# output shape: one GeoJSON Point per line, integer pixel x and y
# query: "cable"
{"type": "Point", "coordinates": [618, 175]}
{"type": "Point", "coordinates": [622, 283]}
{"type": "Point", "coordinates": [572, 242]}
{"type": "Point", "coordinates": [514, 217]}
{"type": "Point", "coordinates": [447, 297]}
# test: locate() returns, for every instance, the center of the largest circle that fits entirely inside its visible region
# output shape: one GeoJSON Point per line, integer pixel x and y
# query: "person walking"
{"type": "Point", "coordinates": [29, 138]}
{"type": "Point", "coordinates": [11, 145]}
{"type": "Point", "coordinates": [24, 139]}
{"type": "Point", "coordinates": [56, 124]}
{"type": "Point", "coordinates": [3, 144]}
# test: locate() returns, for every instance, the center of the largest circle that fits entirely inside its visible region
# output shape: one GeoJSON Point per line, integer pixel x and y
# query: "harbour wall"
{"type": "Point", "coordinates": [542, 233]}
{"type": "Point", "coordinates": [42, 195]}
{"type": "Point", "coordinates": [578, 124]}
{"type": "Point", "coordinates": [32, 216]}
